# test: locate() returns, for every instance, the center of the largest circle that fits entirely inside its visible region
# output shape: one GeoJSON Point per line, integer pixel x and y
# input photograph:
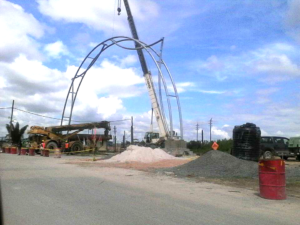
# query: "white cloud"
{"type": "Point", "coordinates": [110, 79]}
{"type": "Point", "coordinates": [32, 85]}
{"type": "Point", "coordinates": [279, 133]}
{"type": "Point", "coordinates": [97, 15]}
{"type": "Point", "coordinates": [181, 87]}
{"type": "Point", "coordinates": [109, 106]}
{"type": "Point", "coordinates": [219, 133]}
{"type": "Point", "coordinates": [262, 100]}
{"type": "Point", "coordinates": [279, 65]}
{"type": "Point", "coordinates": [225, 125]}
{"type": "Point", "coordinates": [211, 92]}
{"type": "Point", "coordinates": [2, 82]}
{"type": "Point", "coordinates": [129, 60]}
{"type": "Point", "coordinates": [271, 63]}
{"type": "Point", "coordinates": [292, 19]}
{"type": "Point", "coordinates": [264, 133]}
{"type": "Point", "coordinates": [19, 31]}
{"type": "Point", "coordinates": [267, 91]}
{"type": "Point", "coordinates": [56, 49]}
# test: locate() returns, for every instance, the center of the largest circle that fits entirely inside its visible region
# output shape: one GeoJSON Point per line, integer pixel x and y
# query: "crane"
{"type": "Point", "coordinates": [163, 129]}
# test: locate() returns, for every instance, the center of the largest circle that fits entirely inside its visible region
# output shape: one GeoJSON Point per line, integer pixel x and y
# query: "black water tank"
{"type": "Point", "coordinates": [246, 142]}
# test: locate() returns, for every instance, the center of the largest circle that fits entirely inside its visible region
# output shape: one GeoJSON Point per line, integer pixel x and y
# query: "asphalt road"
{"type": "Point", "coordinates": [38, 190]}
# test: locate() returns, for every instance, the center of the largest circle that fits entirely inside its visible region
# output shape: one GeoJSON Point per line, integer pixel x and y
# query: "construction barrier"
{"type": "Point", "coordinates": [272, 179]}
{"type": "Point", "coordinates": [46, 153]}
{"type": "Point", "coordinates": [23, 151]}
{"type": "Point", "coordinates": [13, 150]}
{"type": "Point", "coordinates": [31, 152]}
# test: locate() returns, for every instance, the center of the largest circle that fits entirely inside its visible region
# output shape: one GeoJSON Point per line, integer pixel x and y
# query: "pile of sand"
{"type": "Point", "coordinates": [141, 154]}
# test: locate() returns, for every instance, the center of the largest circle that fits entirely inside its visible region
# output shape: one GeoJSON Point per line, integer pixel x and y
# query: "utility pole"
{"type": "Point", "coordinates": [197, 128]}
{"type": "Point", "coordinates": [124, 140]}
{"type": "Point", "coordinates": [210, 123]}
{"type": "Point", "coordinates": [11, 118]}
{"type": "Point", "coordinates": [115, 132]}
{"type": "Point", "coordinates": [131, 130]}
{"type": "Point", "coordinates": [202, 136]}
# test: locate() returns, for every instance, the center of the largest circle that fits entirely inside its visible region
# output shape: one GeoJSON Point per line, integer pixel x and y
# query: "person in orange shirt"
{"type": "Point", "coordinates": [42, 147]}
{"type": "Point", "coordinates": [66, 146]}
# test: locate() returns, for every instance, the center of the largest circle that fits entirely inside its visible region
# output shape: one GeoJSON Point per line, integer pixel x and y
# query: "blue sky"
{"type": "Point", "coordinates": [233, 61]}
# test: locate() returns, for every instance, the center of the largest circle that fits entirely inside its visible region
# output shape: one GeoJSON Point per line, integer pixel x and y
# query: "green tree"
{"type": "Point", "coordinates": [201, 148]}
{"type": "Point", "coordinates": [16, 132]}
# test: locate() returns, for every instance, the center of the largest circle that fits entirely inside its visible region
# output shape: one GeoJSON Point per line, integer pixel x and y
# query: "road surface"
{"type": "Point", "coordinates": [39, 190]}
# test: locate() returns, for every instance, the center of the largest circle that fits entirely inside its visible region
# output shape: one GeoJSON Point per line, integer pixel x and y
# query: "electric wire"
{"type": "Point", "coordinates": [49, 117]}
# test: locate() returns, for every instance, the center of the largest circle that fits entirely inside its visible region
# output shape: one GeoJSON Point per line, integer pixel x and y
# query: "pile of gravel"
{"type": "Point", "coordinates": [217, 164]}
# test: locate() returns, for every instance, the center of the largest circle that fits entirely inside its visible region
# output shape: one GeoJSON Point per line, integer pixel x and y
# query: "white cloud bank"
{"type": "Point", "coordinates": [271, 63]}
{"type": "Point", "coordinates": [19, 31]}
{"type": "Point", "coordinates": [56, 49]}
{"type": "Point", "coordinates": [97, 15]}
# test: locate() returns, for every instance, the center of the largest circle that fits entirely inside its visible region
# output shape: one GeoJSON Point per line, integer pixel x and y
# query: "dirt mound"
{"type": "Point", "coordinates": [217, 164]}
{"type": "Point", "coordinates": [141, 154]}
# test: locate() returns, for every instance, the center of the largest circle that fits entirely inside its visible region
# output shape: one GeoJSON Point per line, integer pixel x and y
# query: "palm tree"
{"type": "Point", "coordinates": [16, 132]}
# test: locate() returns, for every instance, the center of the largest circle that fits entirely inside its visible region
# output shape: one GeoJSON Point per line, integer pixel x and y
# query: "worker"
{"type": "Point", "coordinates": [66, 146]}
{"type": "Point", "coordinates": [42, 147]}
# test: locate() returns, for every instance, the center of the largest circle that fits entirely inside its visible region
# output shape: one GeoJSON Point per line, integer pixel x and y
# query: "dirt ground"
{"type": "Point", "coordinates": [148, 167]}
{"type": "Point", "coordinates": [292, 185]}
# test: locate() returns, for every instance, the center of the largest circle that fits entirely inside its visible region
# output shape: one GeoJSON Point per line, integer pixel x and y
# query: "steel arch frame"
{"type": "Point", "coordinates": [158, 62]}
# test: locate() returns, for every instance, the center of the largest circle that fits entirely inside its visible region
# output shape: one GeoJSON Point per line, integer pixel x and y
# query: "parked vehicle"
{"type": "Point", "coordinates": [279, 146]}
{"type": "Point", "coordinates": [294, 147]}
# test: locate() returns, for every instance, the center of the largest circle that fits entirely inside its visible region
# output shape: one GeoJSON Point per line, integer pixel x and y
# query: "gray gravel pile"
{"type": "Point", "coordinates": [293, 172]}
{"type": "Point", "coordinates": [217, 164]}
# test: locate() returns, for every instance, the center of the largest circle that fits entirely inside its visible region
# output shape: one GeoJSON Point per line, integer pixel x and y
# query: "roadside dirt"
{"type": "Point", "coordinates": [292, 184]}
{"type": "Point", "coordinates": [148, 167]}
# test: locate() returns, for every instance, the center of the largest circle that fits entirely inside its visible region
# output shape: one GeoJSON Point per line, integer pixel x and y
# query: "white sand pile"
{"type": "Point", "coordinates": [141, 154]}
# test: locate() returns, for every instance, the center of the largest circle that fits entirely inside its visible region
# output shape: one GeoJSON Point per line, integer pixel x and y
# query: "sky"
{"type": "Point", "coordinates": [232, 61]}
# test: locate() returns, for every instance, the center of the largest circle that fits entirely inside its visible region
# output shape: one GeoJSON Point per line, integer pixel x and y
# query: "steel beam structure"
{"type": "Point", "coordinates": [139, 45]}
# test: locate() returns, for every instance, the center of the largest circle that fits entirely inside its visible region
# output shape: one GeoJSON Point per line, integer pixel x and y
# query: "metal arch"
{"type": "Point", "coordinates": [116, 41]}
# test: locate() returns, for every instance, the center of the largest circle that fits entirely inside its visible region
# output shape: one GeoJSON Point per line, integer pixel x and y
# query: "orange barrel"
{"type": "Point", "coordinates": [31, 152]}
{"type": "Point", "coordinates": [272, 179]}
{"type": "Point", "coordinates": [23, 151]}
{"type": "Point", "coordinates": [46, 153]}
{"type": "Point", "coordinates": [13, 150]}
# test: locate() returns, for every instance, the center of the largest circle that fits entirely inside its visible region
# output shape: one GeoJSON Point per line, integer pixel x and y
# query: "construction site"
{"type": "Point", "coordinates": [77, 170]}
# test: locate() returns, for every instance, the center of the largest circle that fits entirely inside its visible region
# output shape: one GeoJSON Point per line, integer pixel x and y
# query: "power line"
{"type": "Point", "coordinates": [5, 108]}
{"type": "Point", "coordinates": [49, 117]}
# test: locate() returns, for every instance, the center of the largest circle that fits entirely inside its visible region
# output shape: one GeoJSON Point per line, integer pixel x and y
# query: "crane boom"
{"type": "Point", "coordinates": [135, 36]}
{"type": "Point", "coordinates": [148, 78]}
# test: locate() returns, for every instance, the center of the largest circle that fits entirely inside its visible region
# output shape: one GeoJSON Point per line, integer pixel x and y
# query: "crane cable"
{"type": "Point", "coordinates": [119, 7]}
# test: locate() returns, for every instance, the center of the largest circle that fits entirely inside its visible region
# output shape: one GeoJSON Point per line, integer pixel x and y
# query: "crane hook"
{"type": "Point", "coordinates": [119, 7]}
